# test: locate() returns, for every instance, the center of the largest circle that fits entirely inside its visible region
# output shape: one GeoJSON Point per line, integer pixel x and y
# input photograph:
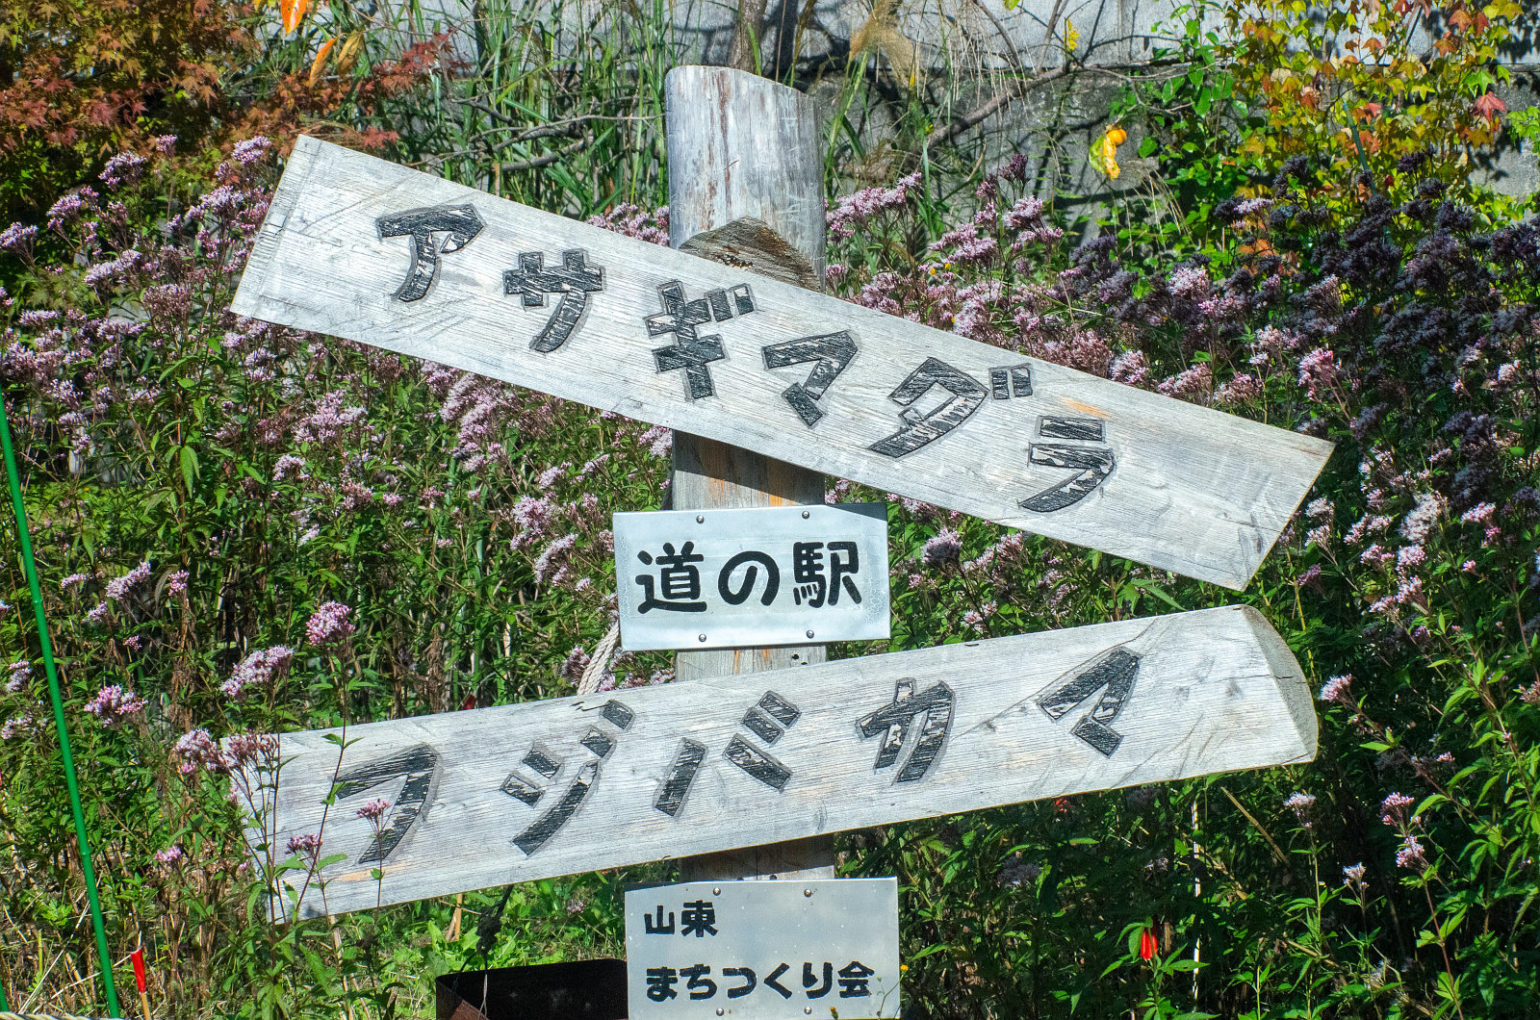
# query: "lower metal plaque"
{"type": "Point", "coordinates": [790, 575]}
{"type": "Point", "coordinates": [777, 950]}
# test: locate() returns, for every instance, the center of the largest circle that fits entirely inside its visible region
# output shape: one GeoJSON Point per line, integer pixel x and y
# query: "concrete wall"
{"type": "Point", "coordinates": [969, 42]}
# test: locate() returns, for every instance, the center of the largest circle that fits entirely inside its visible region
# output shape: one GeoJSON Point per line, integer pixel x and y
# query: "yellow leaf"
{"type": "Point", "coordinates": [292, 12]}
{"type": "Point", "coordinates": [1105, 155]}
{"type": "Point", "coordinates": [350, 51]}
{"type": "Point", "coordinates": [319, 64]}
{"type": "Point", "coordinates": [1071, 37]}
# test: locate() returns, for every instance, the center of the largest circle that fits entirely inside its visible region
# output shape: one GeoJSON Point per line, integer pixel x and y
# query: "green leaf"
{"type": "Point", "coordinates": [188, 458]}
{"type": "Point", "coordinates": [1149, 587]}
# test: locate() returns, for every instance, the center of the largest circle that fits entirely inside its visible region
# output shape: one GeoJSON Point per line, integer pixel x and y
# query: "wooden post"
{"type": "Point", "coordinates": [746, 186]}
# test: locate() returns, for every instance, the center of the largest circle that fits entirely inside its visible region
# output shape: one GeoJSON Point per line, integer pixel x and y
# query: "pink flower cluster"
{"type": "Point", "coordinates": [374, 810]}
{"type": "Point", "coordinates": [1393, 809]}
{"type": "Point", "coordinates": [1336, 690]}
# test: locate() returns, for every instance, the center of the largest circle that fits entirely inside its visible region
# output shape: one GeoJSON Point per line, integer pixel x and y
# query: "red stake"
{"type": "Point", "coordinates": [144, 1001]}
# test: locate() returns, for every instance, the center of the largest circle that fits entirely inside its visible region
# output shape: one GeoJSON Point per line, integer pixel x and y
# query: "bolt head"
{"type": "Point", "coordinates": [700, 518]}
{"type": "Point", "coordinates": [702, 637]}
{"type": "Point", "coordinates": [806, 514]}
{"type": "Point", "coordinates": [809, 633]}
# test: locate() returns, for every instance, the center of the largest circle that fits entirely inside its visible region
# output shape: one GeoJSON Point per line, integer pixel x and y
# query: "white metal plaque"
{"type": "Point", "coordinates": [763, 950]}
{"type": "Point", "coordinates": [752, 577]}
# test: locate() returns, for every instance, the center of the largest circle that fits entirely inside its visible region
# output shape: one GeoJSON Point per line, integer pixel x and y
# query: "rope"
{"type": "Point", "coordinates": [589, 684]}
{"type": "Point", "coordinates": [30, 565]}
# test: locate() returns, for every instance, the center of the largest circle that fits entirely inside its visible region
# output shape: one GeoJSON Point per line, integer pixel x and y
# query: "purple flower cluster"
{"type": "Point", "coordinates": [198, 752]}
{"type": "Point", "coordinates": [856, 210]}
{"type": "Point", "coordinates": [634, 221]}
{"type": "Point", "coordinates": [113, 704]}
{"type": "Point", "coordinates": [251, 150]}
{"type": "Point", "coordinates": [20, 673]}
{"type": "Point", "coordinates": [943, 549]}
{"type": "Point", "coordinates": [119, 588]}
{"type": "Point", "coordinates": [328, 624]}
{"type": "Point", "coordinates": [1301, 804]}
{"type": "Point", "coordinates": [1410, 854]}
{"type": "Point", "coordinates": [122, 169]}
{"type": "Point", "coordinates": [18, 725]}
{"type": "Point", "coordinates": [305, 845]}
{"type": "Point", "coordinates": [258, 670]}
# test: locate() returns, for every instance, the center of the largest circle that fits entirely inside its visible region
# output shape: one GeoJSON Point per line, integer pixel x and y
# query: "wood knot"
{"type": "Point", "coordinates": [750, 243]}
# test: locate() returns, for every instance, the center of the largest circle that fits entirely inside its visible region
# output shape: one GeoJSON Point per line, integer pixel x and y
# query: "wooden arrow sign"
{"type": "Point", "coordinates": [364, 249]}
{"type": "Point", "coordinates": [547, 788]}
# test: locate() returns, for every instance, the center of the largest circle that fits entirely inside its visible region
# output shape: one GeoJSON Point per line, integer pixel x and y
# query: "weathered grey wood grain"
{"type": "Point", "coordinates": [1186, 488]}
{"type": "Point", "coordinates": [1202, 692]}
{"type": "Point", "coordinates": [745, 168]}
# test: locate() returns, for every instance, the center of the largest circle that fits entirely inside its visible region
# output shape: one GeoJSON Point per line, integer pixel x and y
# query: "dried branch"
{"type": "Point", "coordinates": [548, 158]}
{"type": "Point", "coordinates": [1014, 89]}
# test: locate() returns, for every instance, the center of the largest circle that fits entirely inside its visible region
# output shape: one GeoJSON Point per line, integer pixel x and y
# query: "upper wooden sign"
{"type": "Point", "coordinates": [528, 791]}
{"type": "Point", "coordinates": [364, 249]}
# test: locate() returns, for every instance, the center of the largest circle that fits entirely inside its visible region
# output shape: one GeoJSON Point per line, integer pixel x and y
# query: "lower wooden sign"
{"type": "Point", "coordinates": [528, 791]}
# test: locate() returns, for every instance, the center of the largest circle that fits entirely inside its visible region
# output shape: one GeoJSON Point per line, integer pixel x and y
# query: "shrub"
{"type": "Point", "coordinates": [79, 81]}
{"type": "Point", "coordinates": [242, 529]}
{"type": "Point", "coordinates": [1392, 874]}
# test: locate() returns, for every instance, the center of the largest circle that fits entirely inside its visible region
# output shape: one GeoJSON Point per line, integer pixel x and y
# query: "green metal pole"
{"type": "Point", "coordinates": [30, 566]}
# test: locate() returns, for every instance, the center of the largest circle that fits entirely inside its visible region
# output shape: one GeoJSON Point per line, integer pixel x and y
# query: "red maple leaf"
{"type": "Point", "coordinates": [1489, 106]}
